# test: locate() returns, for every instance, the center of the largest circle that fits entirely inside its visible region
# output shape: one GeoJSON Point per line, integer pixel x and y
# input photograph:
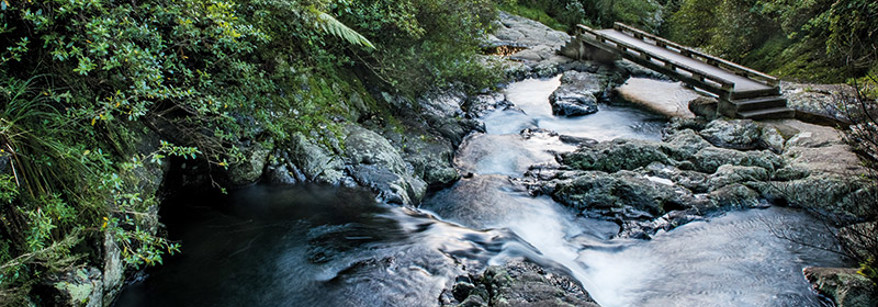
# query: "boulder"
{"type": "Point", "coordinates": [314, 161]}
{"type": "Point", "coordinates": [670, 99]}
{"type": "Point", "coordinates": [623, 193]}
{"type": "Point", "coordinates": [734, 196]}
{"type": "Point", "coordinates": [709, 159]}
{"type": "Point", "coordinates": [683, 144]}
{"type": "Point", "coordinates": [616, 155]}
{"type": "Point", "coordinates": [480, 105]}
{"type": "Point", "coordinates": [249, 169]}
{"type": "Point", "coordinates": [376, 164]}
{"type": "Point", "coordinates": [741, 134]}
{"type": "Point", "coordinates": [567, 102]}
{"type": "Point", "coordinates": [844, 286]}
{"type": "Point", "coordinates": [704, 107]}
{"type": "Point", "coordinates": [730, 174]}
{"type": "Point", "coordinates": [583, 82]}
{"type": "Point", "coordinates": [78, 287]}
{"type": "Point", "coordinates": [824, 191]}
{"type": "Point", "coordinates": [518, 283]}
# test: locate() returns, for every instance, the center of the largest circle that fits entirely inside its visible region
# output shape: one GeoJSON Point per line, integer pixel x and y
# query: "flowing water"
{"type": "Point", "coordinates": [322, 246]}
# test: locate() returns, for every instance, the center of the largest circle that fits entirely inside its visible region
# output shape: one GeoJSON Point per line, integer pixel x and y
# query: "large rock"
{"type": "Point", "coordinates": [844, 286]}
{"type": "Point", "coordinates": [683, 144]}
{"type": "Point", "coordinates": [730, 174]}
{"type": "Point", "coordinates": [585, 82]}
{"type": "Point", "coordinates": [249, 169]}
{"type": "Point", "coordinates": [823, 191]}
{"type": "Point", "coordinates": [573, 103]}
{"type": "Point", "coordinates": [739, 134]}
{"type": "Point", "coordinates": [480, 105]}
{"type": "Point", "coordinates": [375, 163]}
{"type": "Point", "coordinates": [314, 161]}
{"type": "Point", "coordinates": [576, 95]}
{"type": "Point", "coordinates": [704, 107]}
{"type": "Point", "coordinates": [616, 155]}
{"type": "Point", "coordinates": [819, 99]}
{"type": "Point", "coordinates": [666, 98]}
{"type": "Point", "coordinates": [624, 193]}
{"type": "Point", "coordinates": [81, 287]}
{"type": "Point", "coordinates": [516, 30]}
{"type": "Point", "coordinates": [709, 159]}
{"type": "Point", "coordinates": [517, 283]}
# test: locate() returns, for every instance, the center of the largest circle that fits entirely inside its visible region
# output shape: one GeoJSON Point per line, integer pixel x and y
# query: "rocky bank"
{"type": "Point", "coordinates": [700, 167]}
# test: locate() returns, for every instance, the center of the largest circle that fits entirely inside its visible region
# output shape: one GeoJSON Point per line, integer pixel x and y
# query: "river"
{"type": "Point", "coordinates": [328, 246]}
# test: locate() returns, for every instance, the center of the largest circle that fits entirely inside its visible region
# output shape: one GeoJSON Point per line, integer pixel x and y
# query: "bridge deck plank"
{"type": "Point", "coordinates": [742, 84]}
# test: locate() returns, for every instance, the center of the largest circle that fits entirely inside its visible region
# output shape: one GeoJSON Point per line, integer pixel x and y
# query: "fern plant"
{"type": "Point", "coordinates": [330, 25]}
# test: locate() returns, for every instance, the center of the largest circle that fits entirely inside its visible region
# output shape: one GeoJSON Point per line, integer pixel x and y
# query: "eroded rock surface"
{"type": "Point", "coordinates": [702, 168]}
{"type": "Point", "coordinates": [516, 284]}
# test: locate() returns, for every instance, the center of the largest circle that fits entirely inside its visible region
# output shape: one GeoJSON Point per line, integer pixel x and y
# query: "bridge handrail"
{"type": "Point", "coordinates": [738, 69]}
{"type": "Point", "coordinates": [725, 85]}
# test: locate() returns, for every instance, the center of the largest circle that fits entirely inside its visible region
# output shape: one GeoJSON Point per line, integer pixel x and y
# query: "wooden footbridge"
{"type": "Point", "coordinates": [743, 92]}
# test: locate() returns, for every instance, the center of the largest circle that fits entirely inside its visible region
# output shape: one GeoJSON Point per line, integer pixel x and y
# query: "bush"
{"type": "Point", "coordinates": [80, 79]}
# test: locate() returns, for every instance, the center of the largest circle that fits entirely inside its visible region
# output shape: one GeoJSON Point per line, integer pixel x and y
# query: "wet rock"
{"type": "Point", "coordinates": [729, 174]}
{"type": "Point", "coordinates": [683, 144]}
{"type": "Point", "coordinates": [317, 163]}
{"type": "Point", "coordinates": [577, 94]}
{"type": "Point", "coordinates": [834, 193]}
{"type": "Point", "coordinates": [377, 165]}
{"type": "Point", "coordinates": [578, 141]}
{"type": "Point", "coordinates": [78, 287]}
{"type": "Point", "coordinates": [734, 196]}
{"type": "Point", "coordinates": [704, 107]}
{"type": "Point", "coordinates": [616, 155]}
{"type": "Point", "coordinates": [251, 167]}
{"type": "Point", "coordinates": [480, 105]}
{"type": "Point", "coordinates": [645, 230]}
{"type": "Point", "coordinates": [583, 82]}
{"type": "Point", "coordinates": [735, 134]}
{"type": "Point", "coordinates": [844, 286]}
{"type": "Point", "coordinates": [521, 283]}
{"type": "Point", "coordinates": [615, 194]}
{"type": "Point", "coordinates": [573, 103]}
{"type": "Point", "coordinates": [691, 180]}
{"type": "Point", "coordinates": [637, 71]}
{"type": "Point", "coordinates": [819, 99]}
{"type": "Point", "coordinates": [709, 159]}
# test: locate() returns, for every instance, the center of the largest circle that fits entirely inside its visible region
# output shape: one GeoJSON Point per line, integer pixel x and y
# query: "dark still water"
{"type": "Point", "coordinates": [310, 246]}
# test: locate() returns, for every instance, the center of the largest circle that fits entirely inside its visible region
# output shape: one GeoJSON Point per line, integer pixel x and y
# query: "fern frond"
{"type": "Point", "coordinates": [332, 26]}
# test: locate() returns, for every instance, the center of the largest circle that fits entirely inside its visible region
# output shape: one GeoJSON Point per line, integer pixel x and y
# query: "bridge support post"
{"type": "Point", "coordinates": [579, 48]}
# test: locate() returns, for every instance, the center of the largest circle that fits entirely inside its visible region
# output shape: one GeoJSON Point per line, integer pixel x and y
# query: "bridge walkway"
{"type": "Point", "coordinates": [743, 92]}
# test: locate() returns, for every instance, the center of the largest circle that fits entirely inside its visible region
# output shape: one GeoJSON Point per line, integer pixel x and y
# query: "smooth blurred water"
{"type": "Point", "coordinates": [326, 246]}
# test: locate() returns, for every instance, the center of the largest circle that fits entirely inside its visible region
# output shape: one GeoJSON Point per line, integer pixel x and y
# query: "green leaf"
{"type": "Point", "coordinates": [329, 24]}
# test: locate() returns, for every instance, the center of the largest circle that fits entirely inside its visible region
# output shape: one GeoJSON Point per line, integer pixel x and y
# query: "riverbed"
{"type": "Point", "coordinates": [331, 246]}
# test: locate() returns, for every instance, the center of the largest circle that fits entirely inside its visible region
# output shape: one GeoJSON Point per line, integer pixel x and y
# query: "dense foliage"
{"type": "Point", "coordinates": [818, 40]}
{"type": "Point", "coordinates": [813, 40]}
{"type": "Point", "coordinates": [82, 80]}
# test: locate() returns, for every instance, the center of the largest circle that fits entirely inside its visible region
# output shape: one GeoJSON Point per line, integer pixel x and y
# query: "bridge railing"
{"type": "Point", "coordinates": [735, 68]}
{"type": "Point", "coordinates": [715, 84]}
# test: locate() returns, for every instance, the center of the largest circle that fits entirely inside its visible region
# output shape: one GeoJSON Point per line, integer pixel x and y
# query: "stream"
{"type": "Point", "coordinates": [329, 246]}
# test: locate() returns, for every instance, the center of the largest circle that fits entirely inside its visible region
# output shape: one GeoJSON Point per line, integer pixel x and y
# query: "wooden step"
{"type": "Point", "coordinates": [760, 103]}
{"type": "Point", "coordinates": [755, 94]}
{"type": "Point", "coordinates": [773, 113]}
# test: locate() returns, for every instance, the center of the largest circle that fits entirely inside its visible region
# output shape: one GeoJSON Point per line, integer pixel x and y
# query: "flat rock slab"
{"type": "Point", "coordinates": [670, 99]}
